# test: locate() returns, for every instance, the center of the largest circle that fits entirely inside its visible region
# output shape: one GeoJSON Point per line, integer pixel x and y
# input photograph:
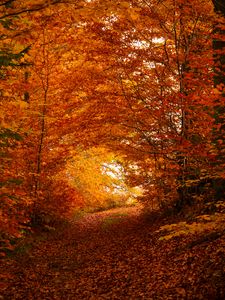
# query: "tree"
{"type": "Point", "coordinates": [161, 74]}
{"type": "Point", "coordinates": [23, 115]}
{"type": "Point", "coordinates": [15, 198]}
{"type": "Point", "coordinates": [219, 81]}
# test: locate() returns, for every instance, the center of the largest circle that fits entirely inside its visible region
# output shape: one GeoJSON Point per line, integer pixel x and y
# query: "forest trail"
{"type": "Point", "coordinates": [114, 255]}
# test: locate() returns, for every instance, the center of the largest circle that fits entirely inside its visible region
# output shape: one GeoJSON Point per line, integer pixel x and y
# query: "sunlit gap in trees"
{"type": "Point", "coordinates": [100, 177]}
{"type": "Point", "coordinates": [116, 171]}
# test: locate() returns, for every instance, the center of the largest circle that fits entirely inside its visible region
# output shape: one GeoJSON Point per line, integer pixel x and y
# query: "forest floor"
{"type": "Point", "coordinates": [116, 254]}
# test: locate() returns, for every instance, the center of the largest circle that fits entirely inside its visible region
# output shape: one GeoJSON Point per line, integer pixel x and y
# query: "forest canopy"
{"type": "Point", "coordinates": [135, 86]}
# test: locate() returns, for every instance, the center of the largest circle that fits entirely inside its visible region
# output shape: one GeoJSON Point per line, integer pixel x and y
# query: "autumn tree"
{"type": "Point", "coordinates": [161, 73]}
{"type": "Point", "coordinates": [15, 198]}
{"type": "Point", "coordinates": [219, 80]}
{"type": "Point", "coordinates": [27, 94]}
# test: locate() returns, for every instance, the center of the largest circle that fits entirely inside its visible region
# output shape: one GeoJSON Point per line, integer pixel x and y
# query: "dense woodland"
{"type": "Point", "coordinates": [108, 104]}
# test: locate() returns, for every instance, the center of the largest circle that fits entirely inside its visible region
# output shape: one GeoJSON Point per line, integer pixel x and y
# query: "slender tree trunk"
{"type": "Point", "coordinates": [219, 83]}
{"type": "Point", "coordinates": [44, 76]}
{"type": "Point", "coordinates": [182, 68]}
{"type": "Point", "coordinates": [41, 142]}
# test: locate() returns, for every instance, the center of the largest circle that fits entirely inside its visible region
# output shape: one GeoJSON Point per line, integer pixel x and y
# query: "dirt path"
{"type": "Point", "coordinates": [113, 255]}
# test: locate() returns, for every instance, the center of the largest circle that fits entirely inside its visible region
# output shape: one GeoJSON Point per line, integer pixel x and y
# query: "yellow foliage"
{"type": "Point", "coordinates": [22, 104]}
{"type": "Point", "coordinates": [216, 91]}
{"type": "Point", "coordinates": [129, 83]}
{"type": "Point", "coordinates": [134, 15]}
{"type": "Point", "coordinates": [125, 4]}
{"type": "Point", "coordinates": [97, 176]}
{"type": "Point", "coordinates": [203, 224]}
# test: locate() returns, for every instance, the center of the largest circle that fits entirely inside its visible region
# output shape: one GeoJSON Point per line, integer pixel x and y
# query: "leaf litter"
{"type": "Point", "coordinates": [126, 261]}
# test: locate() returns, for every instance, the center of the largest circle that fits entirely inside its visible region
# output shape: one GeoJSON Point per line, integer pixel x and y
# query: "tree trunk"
{"type": "Point", "coordinates": [219, 83]}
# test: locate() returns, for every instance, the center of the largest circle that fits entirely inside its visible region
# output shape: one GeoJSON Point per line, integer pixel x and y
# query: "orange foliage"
{"type": "Point", "coordinates": [135, 77]}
